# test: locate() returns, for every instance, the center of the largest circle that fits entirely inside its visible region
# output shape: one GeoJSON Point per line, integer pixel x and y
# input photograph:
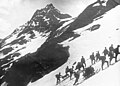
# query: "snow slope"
{"type": "Point", "coordinates": [88, 42]}
{"type": "Point", "coordinates": [108, 77]}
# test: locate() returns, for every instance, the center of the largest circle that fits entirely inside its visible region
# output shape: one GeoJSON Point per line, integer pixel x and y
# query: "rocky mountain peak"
{"type": "Point", "coordinates": [50, 6]}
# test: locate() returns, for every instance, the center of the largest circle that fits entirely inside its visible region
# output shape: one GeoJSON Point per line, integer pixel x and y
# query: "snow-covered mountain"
{"type": "Point", "coordinates": [50, 39]}
{"type": "Point", "coordinates": [27, 49]}
{"type": "Point", "coordinates": [92, 39]}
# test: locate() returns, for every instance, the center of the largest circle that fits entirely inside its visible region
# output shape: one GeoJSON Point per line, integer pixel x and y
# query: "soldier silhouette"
{"type": "Point", "coordinates": [92, 57]}
{"type": "Point", "coordinates": [105, 52]}
{"type": "Point", "coordinates": [83, 61]}
{"type": "Point", "coordinates": [58, 76]}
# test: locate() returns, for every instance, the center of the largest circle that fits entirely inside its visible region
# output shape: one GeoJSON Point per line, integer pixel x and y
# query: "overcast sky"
{"type": "Point", "coordinates": [14, 13]}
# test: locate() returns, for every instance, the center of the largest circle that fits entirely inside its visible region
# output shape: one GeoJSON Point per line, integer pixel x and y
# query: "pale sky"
{"type": "Point", "coordinates": [14, 13]}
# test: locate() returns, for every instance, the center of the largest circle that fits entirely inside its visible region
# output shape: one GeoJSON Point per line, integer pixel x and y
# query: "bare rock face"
{"type": "Point", "coordinates": [34, 66]}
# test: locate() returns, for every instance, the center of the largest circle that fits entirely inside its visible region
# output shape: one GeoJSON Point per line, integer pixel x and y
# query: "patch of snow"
{"type": "Point", "coordinates": [37, 34]}
{"type": "Point", "coordinates": [66, 19]}
{"type": "Point", "coordinates": [4, 84]}
{"type": "Point", "coordinates": [63, 28]}
{"type": "Point", "coordinates": [13, 37]}
{"type": "Point", "coordinates": [33, 45]}
{"type": "Point", "coordinates": [33, 23]}
{"type": "Point", "coordinates": [66, 23]}
{"type": "Point", "coordinates": [46, 19]}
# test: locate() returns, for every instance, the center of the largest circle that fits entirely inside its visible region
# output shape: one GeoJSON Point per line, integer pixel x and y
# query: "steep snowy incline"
{"type": "Point", "coordinates": [92, 41]}
{"type": "Point", "coordinates": [108, 77]}
{"type": "Point", "coordinates": [88, 42]}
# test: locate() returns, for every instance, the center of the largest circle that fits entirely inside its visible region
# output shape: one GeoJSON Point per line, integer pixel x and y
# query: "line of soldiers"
{"type": "Point", "coordinates": [69, 72]}
{"type": "Point", "coordinates": [111, 53]}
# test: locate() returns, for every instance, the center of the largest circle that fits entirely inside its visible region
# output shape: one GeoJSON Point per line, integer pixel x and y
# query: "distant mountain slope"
{"type": "Point", "coordinates": [93, 11]}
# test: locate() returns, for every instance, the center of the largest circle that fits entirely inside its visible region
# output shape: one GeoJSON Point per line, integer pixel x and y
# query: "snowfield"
{"type": "Point", "coordinates": [88, 42]}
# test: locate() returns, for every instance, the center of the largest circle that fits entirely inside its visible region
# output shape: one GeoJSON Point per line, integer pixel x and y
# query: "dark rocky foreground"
{"type": "Point", "coordinates": [31, 67]}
